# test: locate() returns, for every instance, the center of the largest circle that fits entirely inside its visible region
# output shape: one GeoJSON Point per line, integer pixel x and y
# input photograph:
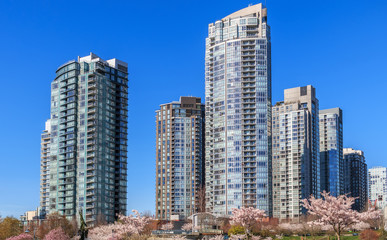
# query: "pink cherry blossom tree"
{"type": "Point", "coordinates": [290, 228]}
{"type": "Point", "coordinates": [187, 227]}
{"type": "Point", "coordinates": [336, 212]}
{"type": "Point", "coordinates": [56, 234]}
{"type": "Point", "coordinates": [217, 237]}
{"type": "Point", "coordinates": [125, 226]}
{"type": "Point", "coordinates": [167, 226]}
{"type": "Point", "coordinates": [361, 226]}
{"type": "Point", "coordinates": [23, 236]}
{"type": "Point", "coordinates": [102, 232]}
{"type": "Point", "coordinates": [239, 237]}
{"type": "Point", "coordinates": [133, 224]}
{"type": "Point", "coordinates": [255, 237]}
{"type": "Point", "coordinates": [247, 217]}
{"type": "Point", "coordinates": [179, 237]}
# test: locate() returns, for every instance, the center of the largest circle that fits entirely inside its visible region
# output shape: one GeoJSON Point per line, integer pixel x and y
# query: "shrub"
{"type": "Point", "coordinates": [369, 235]}
{"type": "Point", "coordinates": [236, 230]}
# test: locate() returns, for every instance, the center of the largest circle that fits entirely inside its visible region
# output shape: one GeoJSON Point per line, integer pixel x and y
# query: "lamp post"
{"type": "Point", "coordinates": [28, 231]}
{"type": "Point", "coordinates": [113, 232]}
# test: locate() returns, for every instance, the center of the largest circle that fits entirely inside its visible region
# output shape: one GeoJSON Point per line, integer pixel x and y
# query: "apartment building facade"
{"type": "Point", "coordinates": [179, 158]}
{"type": "Point", "coordinates": [238, 112]}
{"type": "Point", "coordinates": [45, 169]}
{"type": "Point", "coordinates": [377, 186]}
{"type": "Point", "coordinates": [88, 139]}
{"type": "Point", "coordinates": [296, 152]}
{"type": "Point", "coordinates": [355, 177]}
{"type": "Point", "coordinates": [331, 151]}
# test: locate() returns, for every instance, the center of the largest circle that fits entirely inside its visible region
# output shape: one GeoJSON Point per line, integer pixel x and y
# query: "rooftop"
{"type": "Point", "coordinates": [247, 12]}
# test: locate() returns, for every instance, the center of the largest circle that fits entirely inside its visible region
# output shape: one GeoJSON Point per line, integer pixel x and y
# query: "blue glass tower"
{"type": "Point", "coordinates": [331, 151]}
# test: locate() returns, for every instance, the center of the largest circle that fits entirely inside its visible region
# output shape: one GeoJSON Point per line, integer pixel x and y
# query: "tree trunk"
{"type": "Point", "coordinates": [338, 236]}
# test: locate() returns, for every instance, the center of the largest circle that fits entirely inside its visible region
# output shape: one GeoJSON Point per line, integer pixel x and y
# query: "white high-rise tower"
{"type": "Point", "coordinates": [238, 112]}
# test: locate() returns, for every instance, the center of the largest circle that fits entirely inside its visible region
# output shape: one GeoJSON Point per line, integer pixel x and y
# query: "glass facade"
{"type": "Point", "coordinates": [355, 175]}
{"type": "Point", "coordinates": [88, 147]}
{"type": "Point", "coordinates": [296, 163]}
{"type": "Point", "coordinates": [331, 151]}
{"type": "Point", "coordinates": [45, 170]}
{"type": "Point", "coordinates": [238, 112]}
{"type": "Point", "coordinates": [179, 158]}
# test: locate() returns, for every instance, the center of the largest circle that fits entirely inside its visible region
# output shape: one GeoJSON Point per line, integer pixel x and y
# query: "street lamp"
{"type": "Point", "coordinates": [113, 232]}
{"type": "Point", "coordinates": [28, 231]}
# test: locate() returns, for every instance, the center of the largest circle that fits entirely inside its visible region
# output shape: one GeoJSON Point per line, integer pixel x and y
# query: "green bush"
{"type": "Point", "coordinates": [236, 230]}
{"type": "Point", "coordinates": [382, 234]}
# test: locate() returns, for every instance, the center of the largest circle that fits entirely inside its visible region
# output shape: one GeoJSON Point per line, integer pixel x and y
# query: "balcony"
{"type": "Point", "coordinates": [92, 92]}
{"type": "Point", "coordinates": [91, 130]}
{"type": "Point", "coordinates": [91, 110]}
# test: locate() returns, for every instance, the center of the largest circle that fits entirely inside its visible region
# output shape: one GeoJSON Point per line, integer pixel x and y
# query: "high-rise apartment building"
{"type": "Point", "coordinates": [88, 139]}
{"type": "Point", "coordinates": [179, 158]}
{"type": "Point", "coordinates": [355, 177]}
{"type": "Point", "coordinates": [377, 186]}
{"type": "Point", "coordinates": [296, 152]}
{"type": "Point", "coordinates": [238, 112]}
{"type": "Point", "coordinates": [45, 170]}
{"type": "Point", "coordinates": [331, 151]}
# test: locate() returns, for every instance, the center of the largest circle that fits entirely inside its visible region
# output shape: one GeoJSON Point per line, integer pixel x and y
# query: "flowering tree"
{"type": "Point", "coordinates": [336, 212]}
{"type": "Point", "coordinates": [102, 232]}
{"type": "Point", "coordinates": [187, 227]}
{"type": "Point", "coordinates": [167, 226]}
{"type": "Point", "coordinates": [289, 228]}
{"type": "Point", "coordinates": [217, 237]}
{"type": "Point", "coordinates": [134, 224]}
{"type": "Point", "coordinates": [361, 226]}
{"type": "Point", "coordinates": [125, 226]}
{"type": "Point", "coordinates": [238, 237]}
{"type": "Point", "coordinates": [255, 237]}
{"type": "Point", "coordinates": [56, 234]}
{"type": "Point", "coordinates": [23, 236]}
{"type": "Point", "coordinates": [179, 237]}
{"type": "Point", "coordinates": [247, 217]}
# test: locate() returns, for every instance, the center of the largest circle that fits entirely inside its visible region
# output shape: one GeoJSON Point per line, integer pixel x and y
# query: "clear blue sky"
{"type": "Point", "coordinates": [339, 47]}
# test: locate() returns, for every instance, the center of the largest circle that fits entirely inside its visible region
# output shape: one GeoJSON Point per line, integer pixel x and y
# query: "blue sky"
{"type": "Point", "coordinates": [337, 46]}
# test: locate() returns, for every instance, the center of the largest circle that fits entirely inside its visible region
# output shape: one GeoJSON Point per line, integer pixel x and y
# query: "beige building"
{"type": "Point", "coordinates": [29, 217]}
{"type": "Point", "coordinates": [295, 142]}
{"type": "Point", "coordinates": [45, 169]}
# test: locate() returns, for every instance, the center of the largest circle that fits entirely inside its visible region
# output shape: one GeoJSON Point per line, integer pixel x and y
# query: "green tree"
{"type": "Point", "coordinates": [236, 230]}
{"type": "Point", "coordinates": [83, 230]}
